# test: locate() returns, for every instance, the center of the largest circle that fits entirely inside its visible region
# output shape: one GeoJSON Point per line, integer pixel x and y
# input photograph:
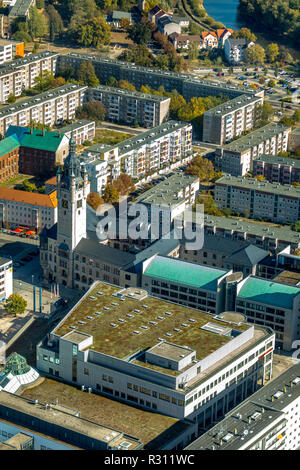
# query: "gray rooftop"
{"type": "Point", "coordinates": [17, 64]}
{"type": "Point", "coordinates": [233, 105]}
{"type": "Point", "coordinates": [277, 160]}
{"type": "Point", "coordinates": [137, 141]}
{"type": "Point", "coordinates": [129, 93]}
{"type": "Point", "coordinates": [284, 390]}
{"type": "Point", "coordinates": [21, 7]}
{"type": "Point", "coordinates": [253, 184]}
{"type": "Point", "coordinates": [75, 125]}
{"type": "Point", "coordinates": [40, 98]}
{"type": "Point", "coordinates": [167, 191]}
{"type": "Point", "coordinates": [256, 137]}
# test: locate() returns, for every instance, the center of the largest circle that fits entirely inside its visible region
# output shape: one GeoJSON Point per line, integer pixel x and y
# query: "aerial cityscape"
{"type": "Point", "coordinates": [150, 227]}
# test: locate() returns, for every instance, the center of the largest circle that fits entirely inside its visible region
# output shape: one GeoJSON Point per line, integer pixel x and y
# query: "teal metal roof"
{"type": "Point", "coordinates": [269, 292]}
{"type": "Point", "coordinates": [8, 145]}
{"type": "Point", "coordinates": [183, 272]}
{"type": "Point", "coordinates": [34, 138]}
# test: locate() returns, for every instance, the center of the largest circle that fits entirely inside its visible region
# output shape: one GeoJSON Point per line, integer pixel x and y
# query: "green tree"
{"type": "Point", "coordinates": [272, 52]}
{"type": "Point", "coordinates": [94, 32]}
{"type": "Point", "coordinates": [38, 25]}
{"type": "Point", "coordinates": [56, 25]}
{"type": "Point", "coordinates": [126, 85]}
{"type": "Point", "coordinates": [86, 74]}
{"type": "Point", "coordinates": [15, 304]}
{"type": "Point", "coordinates": [264, 114]}
{"type": "Point", "coordinates": [139, 33]}
{"type": "Point", "coordinates": [254, 54]}
{"type": "Point", "coordinates": [193, 51]}
{"type": "Point", "coordinates": [11, 98]}
{"type": "Point", "coordinates": [43, 81]}
{"type": "Point", "coordinates": [112, 81]}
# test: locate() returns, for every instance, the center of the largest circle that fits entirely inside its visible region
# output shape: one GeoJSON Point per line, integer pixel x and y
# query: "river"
{"type": "Point", "coordinates": [224, 11]}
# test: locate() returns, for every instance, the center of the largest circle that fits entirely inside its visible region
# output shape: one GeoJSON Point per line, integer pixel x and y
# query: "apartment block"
{"type": "Point", "coordinates": [147, 152]}
{"type": "Point", "coordinates": [139, 76]}
{"type": "Point", "coordinates": [277, 169]}
{"type": "Point", "coordinates": [270, 201]}
{"type": "Point", "coordinates": [236, 157]}
{"type": "Point", "coordinates": [294, 139]}
{"type": "Point", "coordinates": [10, 49]}
{"type": "Point", "coordinates": [82, 130]}
{"type": "Point", "coordinates": [228, 120]}
{"type": "Point", "coordinates": [185, 283]}
{"type": "Point", "coordinates": [172, 360]}
{"type": "Point", "coordinates": [20, 74]}
{"type": "Point", "coordinates": [269, 420]}
{"type": "Point", "coordinates": [31, 210]}
{"type": "Point", "coordinates": [20, 9]}
{"type": "Point", "coordinates": [234, 49]}
{"type": "Point", "coordinates": [130, 107]}
{"type": "Point", "coordinates": [272, 304]}
{"type": "Point", "coordinates": [51, 107]}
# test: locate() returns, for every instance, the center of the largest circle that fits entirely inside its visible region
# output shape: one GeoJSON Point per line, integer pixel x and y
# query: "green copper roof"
{"type": "Point", "coordinates": [16, 364]}
{"type": "Point", "coordinates": [269, 292]}
{"type": "Point", "coordinates": [35, 138]}
{"type": "Point", "coordinates": [8, 145]}
{"type": "Point", "coordinates": [183, 272]}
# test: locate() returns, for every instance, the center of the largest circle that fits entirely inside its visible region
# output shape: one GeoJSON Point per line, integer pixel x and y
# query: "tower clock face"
{"type": "Point", "coordinates": [64, 203]}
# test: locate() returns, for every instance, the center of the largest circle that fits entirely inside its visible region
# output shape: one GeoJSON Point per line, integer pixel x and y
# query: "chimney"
{"type": "Point", "coordinates": [262, 409]}
{"type": "Point", "coordinates": [43, 131]}
{"type": "Point", "coordinates": [31, 130]}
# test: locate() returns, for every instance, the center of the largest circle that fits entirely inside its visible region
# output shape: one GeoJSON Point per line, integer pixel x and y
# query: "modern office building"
{"type": "Point", "coordinates": [277, 169]}
{"type": "Point", "coordinates": [147, 152]}
{"type": "Point", "coordinates": [20, 74]}
{"type": "Point", "coordinates": [31, 210]}
{"type": "Point", "coordinates": [269, 420]}
{"type": "Point", "coordinates": [230, 119]}
{"type": "Point", "coordinates": [131, 107]}
{"type": "Point", "coordinates": [51, 107]}
{"type": "Point", "coordinates": [160, 356]}
{"type": "Point", "coordinates": [6, 278]}
{"type": "Point", "coordinates": [236, 157]}
{"type": "Point", "coordinates": [139, 76]}
{"type": "Point", "coordinates": [258, 199]}
{"type": "Point", "coordinates": [273, 304]}
{"type": "Point", "coordinates": [83, 130]}
{"type": "Point", "coordinates": [185, 283]}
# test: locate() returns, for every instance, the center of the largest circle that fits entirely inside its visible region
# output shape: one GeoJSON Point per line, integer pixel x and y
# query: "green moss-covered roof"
{"type": "Point", "coordinates": [183, 272]}
{"type": "Point", "coordinates": [269, 292]}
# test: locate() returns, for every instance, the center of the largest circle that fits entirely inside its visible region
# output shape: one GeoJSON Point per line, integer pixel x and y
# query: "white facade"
{"type": "Point", "coordinates": [6, 278]}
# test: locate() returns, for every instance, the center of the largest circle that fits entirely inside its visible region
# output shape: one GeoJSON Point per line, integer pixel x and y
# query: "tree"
{"type": "Point", "coordinates": [296, 116]}
{"type": "Point", "coordinates": [272, 83]}
{"type": "Point", "coordinates": [22, 36]}
{"type": "Point", "coordinates": [254, 54]}
{"type": "Point", "coordinates": [39, 125]}
{"type": "Point", "coordinates": [38, 24]}
{"type": "Point", "coordinates": [11, 98]}
{"type": "Point", "coordinates": [284, 56]}
{"type": "Point", "coordinates": [202, 168]}
{"type": "Point", "coordinates": [94, 110]}
{"type": "Point", "coordinates": [43, 81]}
{"type": "Point", "coordinates": [15, 304]}
{"type": "Point", "coordinates": [139, 33]}
{"type": "Point", "coordinates": [177, 102]}
{"type": "Point", "coordinates": [210, 206]}
{"type": "Point", "coordinates": [95, 32]}
{"type": "Point", "coordinates": [110, 194]}
{"type": "Point", "coordinates": [193, 51]}
{"type": "Point", "coordinates": [259, 177]}
{"type": "Point", "coordinates": [245, 33]}
{"type": "Point", "coordinates": [56, 82]}
{"type": "Point", "coordinates": [126, 85]}
{"type": "Point", "coordinates": [112, 81]}
{"type": "Point", "coordinates": [86, 74]}
{"type": "Point", "coordinates": [124, 184]}
{"type": "Point", "coordinates": [94, 200]}
{"type": "Point", "coordinates": [40, 4]}
{"type": "Point", "coordinates": [264, 114]}
{"type": "Point", "coordinates": [124, 23]}
{"type": "Point", "coordinates": [162, 61]}
{"type": "Point", "coordinates": [272, 52]}
{"type": "Point", "coordinates": [56, 25]}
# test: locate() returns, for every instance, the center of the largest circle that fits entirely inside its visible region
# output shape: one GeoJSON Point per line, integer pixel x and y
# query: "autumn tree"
{"type": "Point", "coordinates": [202, 168]}
{"type": "Point", "coordinates": [110, 194]}
{"type": "Point", "coordinates": [244, 33]}
{"type": "Point", "coordinates": [124, 184]}
{"type": "Point", "coordinates": [56, 82]}
{"type": "Point", "coordinates": [124, 23]}
{"type": "Point", "coordinates": [254, 54]}
{"type": "Point", "coordinates": [94, 110]}
{"type": "Point", "coordinates": [94, 200]}
{"type": "Point", "coordinates": [126, 85]}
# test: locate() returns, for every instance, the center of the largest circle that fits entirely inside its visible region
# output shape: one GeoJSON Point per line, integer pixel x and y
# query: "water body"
{"type": "Point", "coordinates": [224, 11]}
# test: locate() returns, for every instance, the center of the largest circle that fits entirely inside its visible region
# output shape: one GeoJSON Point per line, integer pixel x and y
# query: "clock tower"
{"type": "Point", "coordinates": [72, 191]}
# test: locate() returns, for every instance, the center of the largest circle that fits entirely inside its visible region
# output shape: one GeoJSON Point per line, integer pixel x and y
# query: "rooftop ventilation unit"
{"type": "Point", "coordinates": [184, 324]}
{"type": "Point", "coordinates": [97, 313]}
{"type": "Point", "coordinates": [169, 335]}
{"type": "Point", "coordinates": [152, 322]}
{"type": "Point", "coordinates": [160, 318]}
{"type": "Point", "coordinates": [100, 293]}
{"type": "Point", "coordinates": [136, 332]}
{"type": "Point", "coordinates": [144, 327]}
{"type": "Point", "coordinates": [81, 322]}
{"type": "Point", "coordinates": [114, 304]}
{"type": "Point", "coordinates": [113, 325]}
{"type": "Point", "coordinates": [129, 315]}
{"type": "Point", "coordinates": [106, 308]}
{"type": "Point", "coordinates": [177, 330]}
{"type": "Point", "coordinates": [125, 445]}
{"type": "Point", "coordinates": [169, 314]}
{"type": "Point", "coordinates": [91, 297]}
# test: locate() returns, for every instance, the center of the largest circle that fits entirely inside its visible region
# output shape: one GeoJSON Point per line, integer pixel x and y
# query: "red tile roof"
{"type": "Point", "coordinates": [26, 197]}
